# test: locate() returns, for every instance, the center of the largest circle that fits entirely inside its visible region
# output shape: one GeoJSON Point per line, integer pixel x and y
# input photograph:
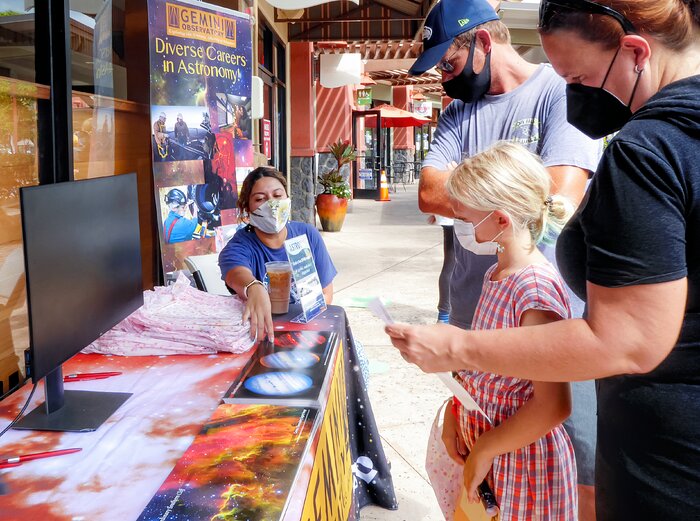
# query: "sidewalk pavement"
{"type": "Point", "coordinates": [387, 249]}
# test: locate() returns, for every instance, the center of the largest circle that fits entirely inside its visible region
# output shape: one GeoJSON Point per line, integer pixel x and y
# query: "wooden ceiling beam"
{"type": "Point", "coordinates": [347, 15]}
{"type": "Point", "coordinates": [353, 20]}
{"type": "Point", "coordinates": [375, 65]}
{"type": "Point", "coordinates": [403, 6]}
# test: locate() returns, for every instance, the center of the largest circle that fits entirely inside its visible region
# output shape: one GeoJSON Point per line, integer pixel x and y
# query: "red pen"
{"type": "Point", "coordinates": [89, 376]}
{"type": "Point", "coordinates": [16, 461]}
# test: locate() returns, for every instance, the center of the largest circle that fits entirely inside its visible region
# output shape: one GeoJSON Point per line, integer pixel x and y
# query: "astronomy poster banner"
{"type": "Point", "coordinates": [201, 68]}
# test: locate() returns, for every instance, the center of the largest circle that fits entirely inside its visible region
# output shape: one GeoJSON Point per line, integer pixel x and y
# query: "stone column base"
{"type": "Point", "coordinates": [302, 189]}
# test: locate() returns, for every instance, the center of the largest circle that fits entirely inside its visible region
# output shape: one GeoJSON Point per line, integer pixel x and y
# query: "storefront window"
{"type": "Point", "coordinates": [272, 71]}
{"type": "Point", "coordinates": [110, 130]}
{"type": "Point", "coordinates": [110, 103]}
{"type": "Point", "coordinates": [18, 167]}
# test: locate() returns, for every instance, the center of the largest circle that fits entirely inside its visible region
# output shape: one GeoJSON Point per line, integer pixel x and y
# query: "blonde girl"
{"type": "Point", "coordinates": [502, 204]}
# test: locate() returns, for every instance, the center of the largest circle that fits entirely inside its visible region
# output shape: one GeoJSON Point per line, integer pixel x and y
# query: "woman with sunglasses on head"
{"type": "Point", "coordinates": [632, 250]}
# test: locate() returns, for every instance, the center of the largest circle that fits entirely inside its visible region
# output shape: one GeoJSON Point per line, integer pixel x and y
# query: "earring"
{"type": "Point", "coordinates": [499, 248]}
{"type": "Point", "coordinates": [637, 69]}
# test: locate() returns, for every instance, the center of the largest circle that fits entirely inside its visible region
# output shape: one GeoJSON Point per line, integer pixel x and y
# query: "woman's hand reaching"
{"type": "Point", "coordinates": [259, 311]}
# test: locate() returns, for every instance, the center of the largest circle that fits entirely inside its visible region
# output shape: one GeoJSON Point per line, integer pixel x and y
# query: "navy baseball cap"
{"type": "Point", "coordinates": [447, 20]}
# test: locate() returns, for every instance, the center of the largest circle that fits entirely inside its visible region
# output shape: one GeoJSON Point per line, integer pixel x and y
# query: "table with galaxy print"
{"type": "Point", "coordinates": [234, 457]}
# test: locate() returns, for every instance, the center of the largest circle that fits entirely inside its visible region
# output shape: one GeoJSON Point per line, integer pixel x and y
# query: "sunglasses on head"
{"type": "Point", "coordinates": [550, 8]}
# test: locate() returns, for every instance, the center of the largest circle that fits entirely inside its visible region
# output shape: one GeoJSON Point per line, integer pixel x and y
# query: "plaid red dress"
{"type": "Point", "coordinates": [537, 482]}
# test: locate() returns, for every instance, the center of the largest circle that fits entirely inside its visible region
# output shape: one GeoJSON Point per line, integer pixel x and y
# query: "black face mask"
{"type": "Point", "coordinates": [469, 86]}
{"type": "Point", "coordinates": [596, 112]}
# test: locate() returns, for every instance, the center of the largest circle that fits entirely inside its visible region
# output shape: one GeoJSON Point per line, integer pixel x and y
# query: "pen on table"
{"type": "Point", "coordinates": [89, 376]}
{"type": "Point", "coordinates": [16, 461]}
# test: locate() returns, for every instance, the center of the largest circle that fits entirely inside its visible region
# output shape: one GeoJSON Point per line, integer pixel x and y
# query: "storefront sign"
{"type": "Point", "coordinates": [267, 138]}
{"type": "Point", "coordinates": [422, 108]}
{"type": "Point", "coordinates": [306, 281]}
{"type": "Point", "coordinates": [365, 173]}
{"type": "Point", "coordinates": [201, 68]}
{"type": "Point", "coordinates": [364, 97]}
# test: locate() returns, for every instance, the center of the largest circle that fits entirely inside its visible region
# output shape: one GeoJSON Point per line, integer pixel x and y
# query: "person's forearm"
{"type": "Point", "coordinates": [628, 330]}
{"type": "Point", "coordinates": [564, 351]}
{"type": "Point", "coordinates": [530, 422]}
{"type": "Point", "coordinates": [328, 294]}
{"type": "Point", "coordinates": [432, 195]}
{"type": "Point", "coordinates": [237, 278]}
{"type": "Point", "coordinates": [569, 181]}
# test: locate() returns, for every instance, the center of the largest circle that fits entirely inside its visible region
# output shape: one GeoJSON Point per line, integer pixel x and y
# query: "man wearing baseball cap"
{"type": "Point", "coordinates": [498, 95]}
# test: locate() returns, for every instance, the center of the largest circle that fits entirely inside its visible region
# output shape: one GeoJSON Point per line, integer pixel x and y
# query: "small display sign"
{"type": "Point", "coordinates": [267, 138]}
{"type": "Point", "coordinates": [306, 279]}
{"type": "Point", "coordinates": [422, 108]}
{"type": "Point", "coordinates": [364, 97]}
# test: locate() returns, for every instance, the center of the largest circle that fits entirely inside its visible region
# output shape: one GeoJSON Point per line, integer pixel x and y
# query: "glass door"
{"type": "Point", "coordinates": [366, 169]}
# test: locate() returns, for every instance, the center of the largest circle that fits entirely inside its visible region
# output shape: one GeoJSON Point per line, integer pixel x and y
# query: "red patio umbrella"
{"type": "Point", "coordinates": [391, 116]}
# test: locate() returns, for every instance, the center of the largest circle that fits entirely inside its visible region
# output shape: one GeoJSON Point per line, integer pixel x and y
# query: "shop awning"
{"type": "Point", "coordinates": [391, 116]}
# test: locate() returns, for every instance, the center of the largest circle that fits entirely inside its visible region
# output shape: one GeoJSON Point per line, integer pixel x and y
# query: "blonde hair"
{"type": "Point", "coordinates": [498, 30]}
{"type": "Point", "coordinates": [509, 178]}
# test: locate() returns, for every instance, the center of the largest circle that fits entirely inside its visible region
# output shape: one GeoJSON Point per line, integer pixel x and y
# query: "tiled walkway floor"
{"type": "Point", "coordinates": [388, 250]}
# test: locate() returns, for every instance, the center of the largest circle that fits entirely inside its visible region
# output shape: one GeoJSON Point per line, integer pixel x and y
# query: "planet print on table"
{"type": "Point", "coordinates": [278, 384]}
{"type": "Point", "coordinates": [290, 360]}
{"type": "Point", "coordinates": [299, 339]}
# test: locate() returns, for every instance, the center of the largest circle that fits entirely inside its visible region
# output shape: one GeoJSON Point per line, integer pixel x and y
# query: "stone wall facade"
{"type": "Point", "coordinates": [326, 163]}
{"type": "Point", "coordinates": [302, 189]}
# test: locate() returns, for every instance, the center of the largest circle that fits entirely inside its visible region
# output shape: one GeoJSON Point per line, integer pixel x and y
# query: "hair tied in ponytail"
{"type": "Point", "coordinates": [548, 202]}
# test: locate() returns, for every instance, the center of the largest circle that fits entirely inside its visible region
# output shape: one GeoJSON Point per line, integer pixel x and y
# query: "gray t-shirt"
{"type": "Point", "coordinates": [533, 114]}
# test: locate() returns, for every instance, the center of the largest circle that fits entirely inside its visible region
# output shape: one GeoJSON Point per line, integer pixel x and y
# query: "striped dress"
{"type": "Point", "coordinates": [537, 482]}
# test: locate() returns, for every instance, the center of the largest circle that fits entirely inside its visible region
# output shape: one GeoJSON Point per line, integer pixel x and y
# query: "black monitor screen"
{"type": "Point", "coordinates": [83, 264]}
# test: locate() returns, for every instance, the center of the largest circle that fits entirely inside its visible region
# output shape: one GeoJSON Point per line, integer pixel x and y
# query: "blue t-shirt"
{"type": "Point", "coordinates": [245, 249]}
{"type": "Point", "coordinates": [181, 230]}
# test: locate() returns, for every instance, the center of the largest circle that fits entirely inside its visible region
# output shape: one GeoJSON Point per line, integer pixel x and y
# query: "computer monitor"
{"type": "Point", "coordinates": [82, 254]}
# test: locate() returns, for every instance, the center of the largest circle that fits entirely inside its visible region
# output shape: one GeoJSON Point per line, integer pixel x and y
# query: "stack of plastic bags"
{"type": "Point", "coordinates": [178, 319]}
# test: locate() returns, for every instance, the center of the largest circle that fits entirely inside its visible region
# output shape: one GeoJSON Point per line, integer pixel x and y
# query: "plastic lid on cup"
{"type": "Point", "coordinates": [278, 266]}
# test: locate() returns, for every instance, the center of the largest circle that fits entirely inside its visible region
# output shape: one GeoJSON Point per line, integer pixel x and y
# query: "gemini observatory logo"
{"type": "Point", "coordinates": [188, 22]}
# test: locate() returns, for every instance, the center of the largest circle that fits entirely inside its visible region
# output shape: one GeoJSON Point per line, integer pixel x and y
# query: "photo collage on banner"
{"type": "Point", "coordinates": [201, 130]}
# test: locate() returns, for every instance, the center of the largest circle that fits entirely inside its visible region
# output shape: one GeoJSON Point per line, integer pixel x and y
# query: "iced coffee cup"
{"type": "Point", "coordinates": [279, 276]}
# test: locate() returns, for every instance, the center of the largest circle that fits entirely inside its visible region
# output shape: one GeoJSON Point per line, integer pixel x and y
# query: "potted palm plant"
{"type": "Point", "coordinates": [332, 204]}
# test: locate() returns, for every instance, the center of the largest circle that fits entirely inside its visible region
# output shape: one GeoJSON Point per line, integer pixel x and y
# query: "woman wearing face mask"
{"type": "Point", "coordinates": [632, 250]}
{"type": "Point", "coordinates": [264, 202]}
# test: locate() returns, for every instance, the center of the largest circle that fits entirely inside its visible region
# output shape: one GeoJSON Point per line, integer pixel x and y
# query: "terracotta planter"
{"type": "Point", "coordinates": [331, 210]}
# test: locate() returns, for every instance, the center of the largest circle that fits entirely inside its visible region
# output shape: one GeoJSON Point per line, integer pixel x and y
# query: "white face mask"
{"type": "Point", "coordinates": [466, 235]}
{"type": "Point", "coordinates": [271, 216]}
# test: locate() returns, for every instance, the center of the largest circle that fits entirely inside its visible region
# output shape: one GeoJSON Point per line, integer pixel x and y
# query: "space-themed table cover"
{"type": "Point", "coordinates": [123, 464]}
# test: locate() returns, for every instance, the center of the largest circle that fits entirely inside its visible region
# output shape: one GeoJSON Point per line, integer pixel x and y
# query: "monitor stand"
{"type": "Point", "coordinates": [71, 411]}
